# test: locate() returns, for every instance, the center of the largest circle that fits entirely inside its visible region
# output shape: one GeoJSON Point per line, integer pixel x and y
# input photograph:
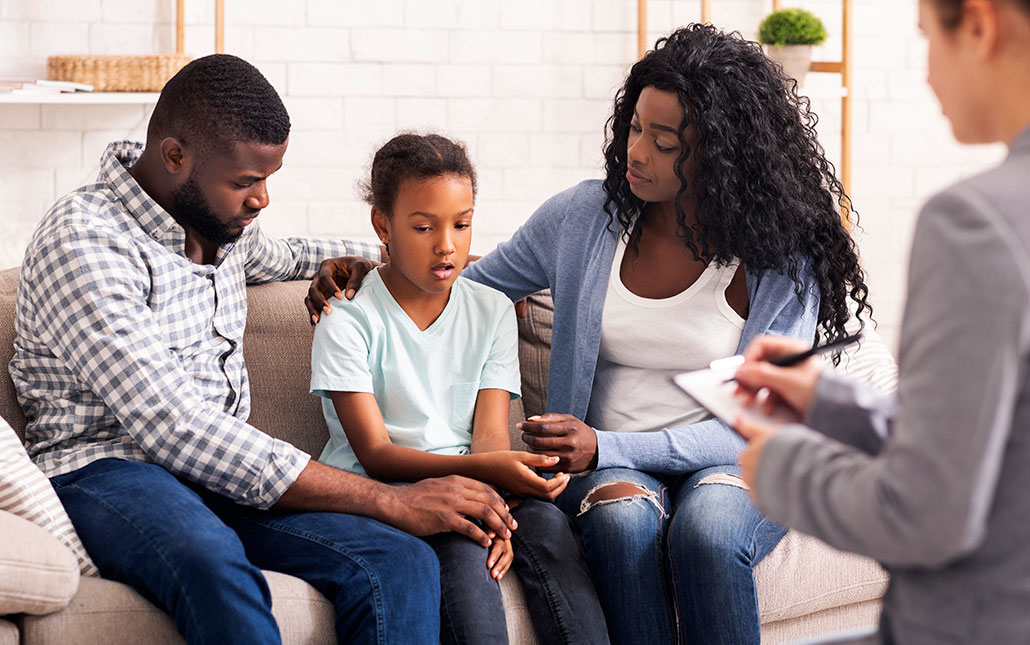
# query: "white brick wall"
{"type": "Point", "coordinates": [527, 85]}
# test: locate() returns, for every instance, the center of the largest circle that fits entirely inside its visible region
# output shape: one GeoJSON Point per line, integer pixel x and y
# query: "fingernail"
{"type": "Point", "coordinates": [350, 293]}
{"type": "Point", "coordinates": [535, 416]}
{"type": "Point", "coordinates": [518, 425]}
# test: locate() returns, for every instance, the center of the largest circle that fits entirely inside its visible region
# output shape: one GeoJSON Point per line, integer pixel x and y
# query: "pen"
{"type": "Point", "coordinates": [794, 359]}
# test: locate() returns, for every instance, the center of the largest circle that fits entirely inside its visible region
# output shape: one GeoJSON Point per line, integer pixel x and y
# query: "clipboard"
{"type": "Point", "coordinates": [714, 390]}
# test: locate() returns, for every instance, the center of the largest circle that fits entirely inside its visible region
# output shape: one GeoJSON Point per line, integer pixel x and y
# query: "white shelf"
{"type": "Point", "coordinates": [79, 98]}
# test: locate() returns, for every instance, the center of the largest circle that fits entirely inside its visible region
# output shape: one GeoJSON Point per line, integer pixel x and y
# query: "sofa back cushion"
{"type": "Point", "coordinates": [9, 408]}
{"type": "Point", "coordinates": [277, 352]}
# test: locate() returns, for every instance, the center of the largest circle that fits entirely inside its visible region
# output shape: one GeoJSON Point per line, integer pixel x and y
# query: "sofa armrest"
{"type": "Point", "coordinates": [38, 574]}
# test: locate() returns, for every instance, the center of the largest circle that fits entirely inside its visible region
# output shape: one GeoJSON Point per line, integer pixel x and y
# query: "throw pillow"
{"type": "Point", "coordinates": [26, 492]}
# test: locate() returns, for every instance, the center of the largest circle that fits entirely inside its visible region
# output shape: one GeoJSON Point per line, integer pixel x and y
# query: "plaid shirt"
{"type": "Point", "coordinates": [127, 349]}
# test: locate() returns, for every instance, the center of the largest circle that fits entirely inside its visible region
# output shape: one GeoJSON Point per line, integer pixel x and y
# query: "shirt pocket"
{"type": "Point", "coordinates": [463, 404]}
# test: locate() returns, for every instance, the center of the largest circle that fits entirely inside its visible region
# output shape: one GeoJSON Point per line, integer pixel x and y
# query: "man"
{"type": "Point", "coordinates": [129, 365]}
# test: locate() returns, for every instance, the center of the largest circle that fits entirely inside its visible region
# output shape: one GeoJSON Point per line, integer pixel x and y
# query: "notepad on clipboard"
{"type": "Point", "coordinates": [713, 389]}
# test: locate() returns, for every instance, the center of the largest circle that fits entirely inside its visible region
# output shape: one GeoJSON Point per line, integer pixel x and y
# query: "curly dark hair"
{"type": "Point", "coordinates": [217, 101]}
{"type": "Point", "coordinates": [765, 192]}
{"type": "Point", "coordinates": [413, 156]}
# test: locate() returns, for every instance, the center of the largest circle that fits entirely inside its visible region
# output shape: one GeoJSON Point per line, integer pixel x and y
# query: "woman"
{"type": "Point", "coordinates": [934, 483]}
{"type": "Point", "coordinates": [718, 221]}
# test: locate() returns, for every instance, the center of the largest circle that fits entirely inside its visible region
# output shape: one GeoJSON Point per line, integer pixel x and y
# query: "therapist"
{"type": "Point", "coordinates": [935, 483]}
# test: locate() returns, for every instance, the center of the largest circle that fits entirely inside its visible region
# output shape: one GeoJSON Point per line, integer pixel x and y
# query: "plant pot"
{"type": "Point", "coordinates": [795, 59]}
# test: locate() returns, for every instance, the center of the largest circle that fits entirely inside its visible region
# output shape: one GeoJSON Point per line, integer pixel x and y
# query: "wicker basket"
{"type": "Point", "coordinates": [116, 73]}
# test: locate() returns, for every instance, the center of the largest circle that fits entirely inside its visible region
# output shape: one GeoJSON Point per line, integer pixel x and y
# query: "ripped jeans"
{"type": "Point", "coordinates": [676, 559]}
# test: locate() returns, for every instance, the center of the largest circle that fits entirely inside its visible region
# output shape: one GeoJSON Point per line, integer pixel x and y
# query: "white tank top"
{"type": "Point", "coordinates": [646, 341]}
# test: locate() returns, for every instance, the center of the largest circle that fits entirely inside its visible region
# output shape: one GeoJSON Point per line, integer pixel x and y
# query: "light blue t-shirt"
{"type": "Point", "coordinates": [425, 381]}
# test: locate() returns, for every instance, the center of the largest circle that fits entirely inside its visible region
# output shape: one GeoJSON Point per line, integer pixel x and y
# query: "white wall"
{"type": "Point", "coordinates": [527, 84]}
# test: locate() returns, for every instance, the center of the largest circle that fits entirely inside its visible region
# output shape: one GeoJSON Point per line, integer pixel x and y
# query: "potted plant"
{"type": "Point", "coordinates": [788, 36]}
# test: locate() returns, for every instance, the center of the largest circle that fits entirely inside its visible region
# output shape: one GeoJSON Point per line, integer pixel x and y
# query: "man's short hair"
{"type": "Point", "coordinates": [217, 101]}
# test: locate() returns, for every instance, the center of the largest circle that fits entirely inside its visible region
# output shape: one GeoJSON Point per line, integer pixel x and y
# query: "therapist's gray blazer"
{"type": "Point", "coordinates": [935, 484]}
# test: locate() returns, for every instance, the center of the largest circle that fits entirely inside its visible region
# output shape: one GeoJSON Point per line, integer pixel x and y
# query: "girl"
{"type": "Point", "coordinates": [417, 372]}
{"type": "Point", "coordinates": [933, 484]}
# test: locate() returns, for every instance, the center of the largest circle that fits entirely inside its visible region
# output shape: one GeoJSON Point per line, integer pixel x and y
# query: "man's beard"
{"type": "Point", "coordinates": [192, 210]}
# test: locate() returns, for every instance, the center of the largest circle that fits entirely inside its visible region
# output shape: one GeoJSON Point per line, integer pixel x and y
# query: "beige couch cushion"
{"type": "Point", "coordinates": [38, 574]}
{"type": "Point", "coordinates": [9, 408]}
{"type": "Point", "coordinates": [803, 575]}
{"type": "Point", "coordinates": [109, 612]}
{"type": "Point", "coordinates": [277, 352]}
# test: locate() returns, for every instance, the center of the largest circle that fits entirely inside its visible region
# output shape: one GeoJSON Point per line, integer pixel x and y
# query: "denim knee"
{"type": "Point", "coordinates": [715, 521]}
{"type": "Point", "coordinates": [404, 567]}
{"type": "Point", "coordinates": [635, 504]}
{"type": "Point", "coordinates": [395, 599]}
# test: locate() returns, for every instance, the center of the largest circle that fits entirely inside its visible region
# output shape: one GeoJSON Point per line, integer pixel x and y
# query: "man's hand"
{"type": "Point", "coordinates": [512, 470]}
{"type": "Point", "coordinates": [348, 271]}
{"type": "Point", "coordinates": [450, 504]}
{"type": "Point", "coordinates": [563, 436]}
{"type": "Point", "coordinates": [757, 435]}
{"type": "Point", "coordinates": [793, 386]}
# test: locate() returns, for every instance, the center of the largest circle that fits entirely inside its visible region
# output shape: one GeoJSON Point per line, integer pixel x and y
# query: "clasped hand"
{"type": "Point", "coordinates": [564, 436]}
{"type": "Point", "coordinates": [512, 470]}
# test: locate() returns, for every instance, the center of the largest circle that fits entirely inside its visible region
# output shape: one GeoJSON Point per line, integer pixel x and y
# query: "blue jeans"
{"type": "Point", "coordinates": [199, 556]}
{"type": "Point", "coordinates": [549, 561]}
{"type": "Point", "coordinates": [676, 560]}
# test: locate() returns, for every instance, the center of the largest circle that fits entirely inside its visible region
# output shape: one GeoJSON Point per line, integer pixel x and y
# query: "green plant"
{"type": "Point", "coordinates": [791, 27]}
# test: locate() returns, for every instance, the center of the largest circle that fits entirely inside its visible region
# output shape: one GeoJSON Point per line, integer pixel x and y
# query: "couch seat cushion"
{"type": "Point", "coordinates": [110, 612]}
{"type": "Point", "coordinates": [803, 575]}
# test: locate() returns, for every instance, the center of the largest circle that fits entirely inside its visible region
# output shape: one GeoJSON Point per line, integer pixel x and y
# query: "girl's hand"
{"type": "Point", "coordinates": [501, 555]}
{"type": "Point", "coordinates": [512, 470]}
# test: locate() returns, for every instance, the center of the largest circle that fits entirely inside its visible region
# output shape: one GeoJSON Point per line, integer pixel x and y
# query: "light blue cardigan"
{"type": "Point", "coordinates": [567, 246]}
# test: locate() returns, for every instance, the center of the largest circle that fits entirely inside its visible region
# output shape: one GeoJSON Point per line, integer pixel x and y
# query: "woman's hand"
{"type": "Point", "coordinates": [512, 470]}
{"type": "Point", "coordinates": [792, 386]}
{"type": "Point", "coordinates": [348, 270]}
{"type": "Point", "coordinates": [563, 436]}
{"type": "Point", "coordinates": [501, 555]}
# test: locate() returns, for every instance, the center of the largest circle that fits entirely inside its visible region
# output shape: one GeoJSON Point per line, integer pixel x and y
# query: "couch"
{"type": "Point", "coordinates": [805, 588]}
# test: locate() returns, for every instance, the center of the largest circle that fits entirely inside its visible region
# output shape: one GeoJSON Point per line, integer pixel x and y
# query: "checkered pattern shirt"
{"type": "Point", "coordinates": [127, 349]}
